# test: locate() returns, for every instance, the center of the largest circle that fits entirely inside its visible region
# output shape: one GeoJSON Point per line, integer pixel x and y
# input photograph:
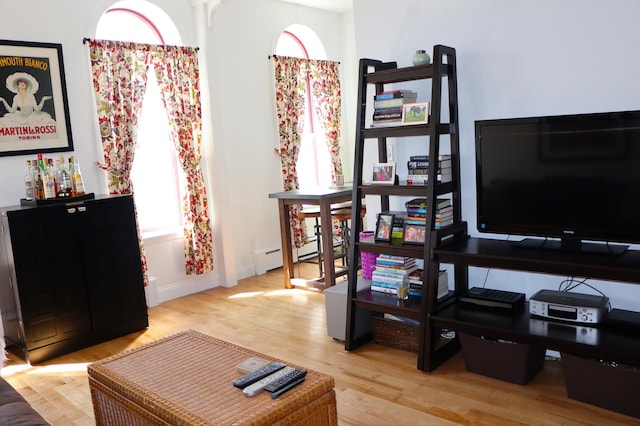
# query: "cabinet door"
{"type": "Point", "coordinates": [111, 258]}
{"type": "Point", "coordinates": [52, 295]}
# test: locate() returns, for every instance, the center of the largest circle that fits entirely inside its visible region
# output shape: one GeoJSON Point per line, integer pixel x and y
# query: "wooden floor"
{"type": "Point", "coordinates": [375, 385]}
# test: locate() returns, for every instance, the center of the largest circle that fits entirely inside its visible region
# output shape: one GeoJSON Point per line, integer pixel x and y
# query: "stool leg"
{"type": "Point", "coordinates": [344, 227]}
{"type": "Point", "coordinates": [318, 233]}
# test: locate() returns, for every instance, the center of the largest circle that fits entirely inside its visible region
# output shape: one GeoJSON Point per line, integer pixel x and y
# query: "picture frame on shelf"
{"type": "Point", "coordinates": [415, 113]}
{"type": "Point", "coordinates": [414, 234]}
{"type": "Point", "coordinates": [383, 174]}
{"type": "Point", "coordinates": [35, 72]}
{"type": "Point", "coordinates": [384, 226]}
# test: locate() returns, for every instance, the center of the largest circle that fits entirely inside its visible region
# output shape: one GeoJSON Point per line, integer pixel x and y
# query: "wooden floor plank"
{"type": "Point", "coordinates": [375, 385]}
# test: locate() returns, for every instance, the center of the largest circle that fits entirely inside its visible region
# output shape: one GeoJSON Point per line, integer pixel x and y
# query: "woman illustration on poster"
{"type": "Point", "coordinates": [24, 110]}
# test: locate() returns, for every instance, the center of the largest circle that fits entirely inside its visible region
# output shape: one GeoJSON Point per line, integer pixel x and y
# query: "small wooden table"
{"type": "Point", "coordinates": [186, 379]}
{"type": "Point", "coordinates": [324, 198]}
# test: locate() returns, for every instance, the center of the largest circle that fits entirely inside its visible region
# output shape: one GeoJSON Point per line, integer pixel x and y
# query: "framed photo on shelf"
{"type": "Point", "coordinates": [413, 234]}
{"type": "Point", "coordinates": [416, 113]}
{"type": "Point", "coordinates": [384, 227]}
{"type": "Point", "coordinates": [34, 112]}
{"type": "Point", "coordinates": [383, 174]}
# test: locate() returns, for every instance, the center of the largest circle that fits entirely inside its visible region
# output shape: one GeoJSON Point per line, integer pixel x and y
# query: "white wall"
{"type": "Point", "coordinates": [517, 58]}
{"type": "Point", "coordinates": [242, 35]}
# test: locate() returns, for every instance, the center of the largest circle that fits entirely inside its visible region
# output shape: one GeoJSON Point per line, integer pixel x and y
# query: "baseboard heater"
{"type": "Point", "coordinates": [267, 259]}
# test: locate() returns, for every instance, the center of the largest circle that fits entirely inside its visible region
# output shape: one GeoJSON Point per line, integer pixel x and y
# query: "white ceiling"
{"type": "Point", "coordinates": [332, 5]}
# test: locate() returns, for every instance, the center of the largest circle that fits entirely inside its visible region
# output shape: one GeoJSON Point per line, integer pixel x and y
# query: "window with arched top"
{"type": "Point", "coordinates": [156, 175]}
{"type": "Point", "coordinates": [314, 163]}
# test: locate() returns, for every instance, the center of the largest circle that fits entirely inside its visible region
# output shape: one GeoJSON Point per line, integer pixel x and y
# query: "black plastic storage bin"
{"type": "Point", "coordinates": [509, 361]}
{"type": "Point", "coordinates": [605, 384]}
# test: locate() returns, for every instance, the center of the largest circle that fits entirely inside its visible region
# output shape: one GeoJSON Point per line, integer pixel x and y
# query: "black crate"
{"type": "Point", "coordinates": [512, 362]}
{"type": "Point", "coordinates": [605, 384]}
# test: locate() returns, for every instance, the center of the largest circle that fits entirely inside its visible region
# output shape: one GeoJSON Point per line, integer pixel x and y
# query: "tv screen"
{"type": "Point", "coordinates": [569, 177]}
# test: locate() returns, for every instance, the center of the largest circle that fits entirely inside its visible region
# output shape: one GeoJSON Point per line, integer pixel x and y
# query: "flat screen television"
{"type": "Point", "coordinates": [572, 179]}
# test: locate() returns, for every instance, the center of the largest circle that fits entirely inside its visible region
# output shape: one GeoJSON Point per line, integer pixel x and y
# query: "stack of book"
{"type": "Point", "coordinates": [387, 106]}
{"type": "Point", "coordinates": [392, 271]}
{"type": "Point", "coordinates": [415, 283]}
{"type": "Point", "coordinates": [418, 166]}
{"type": "Point", "coordinates": [417, 212]}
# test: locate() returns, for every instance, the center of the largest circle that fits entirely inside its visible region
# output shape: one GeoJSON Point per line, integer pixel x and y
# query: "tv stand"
{"type": "Point", "coordinates": [571, 245]}
{"type": "Point", "coordinates": [613, 344]}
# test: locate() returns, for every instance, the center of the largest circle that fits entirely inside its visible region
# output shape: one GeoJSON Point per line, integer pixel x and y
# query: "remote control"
{"type": "Point", "coordinates": [285, 380]}
{"type": "Point", "coordinates": [291, 385]}
{"type": "Point", "coordinates": [254, 376]}
{"type": "Point", "coordinates": [258, 386]}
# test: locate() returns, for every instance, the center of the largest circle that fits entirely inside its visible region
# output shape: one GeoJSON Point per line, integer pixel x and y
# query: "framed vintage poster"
{"type": "Point", "coordinates": [34, 113]}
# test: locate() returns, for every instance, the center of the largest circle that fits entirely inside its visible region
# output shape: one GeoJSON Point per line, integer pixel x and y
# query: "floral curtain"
{"type": "Point", "coordinates": [290, 105]}
{"type": "Point", "coordinates": [179, 80]}
{"type": "Point", "coordinates": [295, 77]}
{"type": "Point", "coordinates": [119, 73]}
{"type": "Point", "coordinates": [325, 88]}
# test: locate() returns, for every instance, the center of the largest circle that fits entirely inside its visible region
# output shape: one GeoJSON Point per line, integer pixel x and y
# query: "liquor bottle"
{"type": "Point", "coordinates": [28, 183]}
{"type": "Point", "coordinates": [48, 180]}
{"type": "Point", "coordinates": [76, 177]}
{"type": "Point", "coordinates": [39, 173]}
{"type": "Point", "coordinates": [64, 179]}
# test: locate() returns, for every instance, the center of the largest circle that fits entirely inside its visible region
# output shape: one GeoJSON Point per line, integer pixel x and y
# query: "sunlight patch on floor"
{"type": "Point", "coordinates": [246, 295]}
{"type": "Point", "coordinates": [46, 369]}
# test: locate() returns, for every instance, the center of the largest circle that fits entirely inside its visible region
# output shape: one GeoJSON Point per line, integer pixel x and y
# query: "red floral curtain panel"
{"type": "Point", "coordinates": [119, 74]}
{"type": "Point", "coordinates": [290, 105]}
{"type": "Point", "coordinates": [291, 77]}
{"type": "Point", "coordinates": [179, 79]}
{"type": "Point", "coordinates": [325, 88]}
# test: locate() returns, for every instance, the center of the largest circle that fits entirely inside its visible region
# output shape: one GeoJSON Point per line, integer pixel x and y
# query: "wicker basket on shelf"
{"type": "Point", "coordinates": [394, 333]}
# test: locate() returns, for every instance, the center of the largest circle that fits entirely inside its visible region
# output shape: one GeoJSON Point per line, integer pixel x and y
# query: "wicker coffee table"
{"type": "Point", "coordinates": [185, 379]}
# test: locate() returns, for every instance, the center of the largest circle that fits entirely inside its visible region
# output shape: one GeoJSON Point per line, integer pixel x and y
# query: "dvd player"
{"type": "Point", "coordinates": [568, 306]}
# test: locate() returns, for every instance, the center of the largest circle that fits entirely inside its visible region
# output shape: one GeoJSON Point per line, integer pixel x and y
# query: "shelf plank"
{"type": "Point", "coordinates": [602, 342]}
{"type": "Point", "coordinates": [502, 254]}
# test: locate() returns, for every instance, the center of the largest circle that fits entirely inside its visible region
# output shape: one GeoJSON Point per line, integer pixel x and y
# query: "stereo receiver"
{"type": "Point", "coordinates": [568, 306]}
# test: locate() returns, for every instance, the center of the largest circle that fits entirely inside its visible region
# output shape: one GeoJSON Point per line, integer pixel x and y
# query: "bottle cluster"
{"type": "Point", "coordinates": [45, 180]}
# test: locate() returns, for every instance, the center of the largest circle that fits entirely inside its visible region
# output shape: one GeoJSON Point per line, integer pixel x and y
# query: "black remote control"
{"type": "Point", "coordinates": [282, 390]}
{"type": "Point", "coordinates": [248, 379]}
{"type": "Point", "coordinates": [285, 380]}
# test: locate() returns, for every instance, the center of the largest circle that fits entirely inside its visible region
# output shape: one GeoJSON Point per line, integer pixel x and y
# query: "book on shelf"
{"type": "Point", "coordinates": [423, 179]}
{"type": "Point", "coordinates": [394, 272]}
{"type": "Point", "coordinates": [381, 289]}
{"type": "Point", "coordinates": [426, 157]}
{"type": "Point", "coordinates": [396, 258]}
{"type": "Point", "coordinates": [425, 171]}
{"type": "Point", "coordinates": [424, 164]}
{"type": "Point", "coordinates": [387, 115]}
{"type": "Point", "coordinates": [392, 103]}
{"type": "Point", "coordinates": [387, 279]}
{"type": "Point", "coordinates": [416, 283]}
{"type": "Point", "coordinates": [392, 94]}
{"type": "Point", "coordinates": [423, 203]}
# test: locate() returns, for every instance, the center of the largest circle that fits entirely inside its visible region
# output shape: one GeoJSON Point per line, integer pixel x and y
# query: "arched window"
{"type": "Point", "coordinates": [314, 162]}
{"type": "Point", "coordinates": [156, 174]}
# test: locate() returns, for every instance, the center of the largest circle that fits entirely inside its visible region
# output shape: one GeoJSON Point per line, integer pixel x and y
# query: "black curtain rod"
{"type": "Point", "coordinates": [86, 39]}
{"type": "Point", "coordinates": [275, 56]}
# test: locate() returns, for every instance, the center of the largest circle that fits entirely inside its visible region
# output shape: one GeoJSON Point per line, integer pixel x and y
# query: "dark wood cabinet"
{"type": "Point", "coordinates": [70, 276]}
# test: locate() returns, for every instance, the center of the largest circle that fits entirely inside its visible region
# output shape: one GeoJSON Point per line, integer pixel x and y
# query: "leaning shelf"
{"type": "Point", "coordinates": [440, 83]}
